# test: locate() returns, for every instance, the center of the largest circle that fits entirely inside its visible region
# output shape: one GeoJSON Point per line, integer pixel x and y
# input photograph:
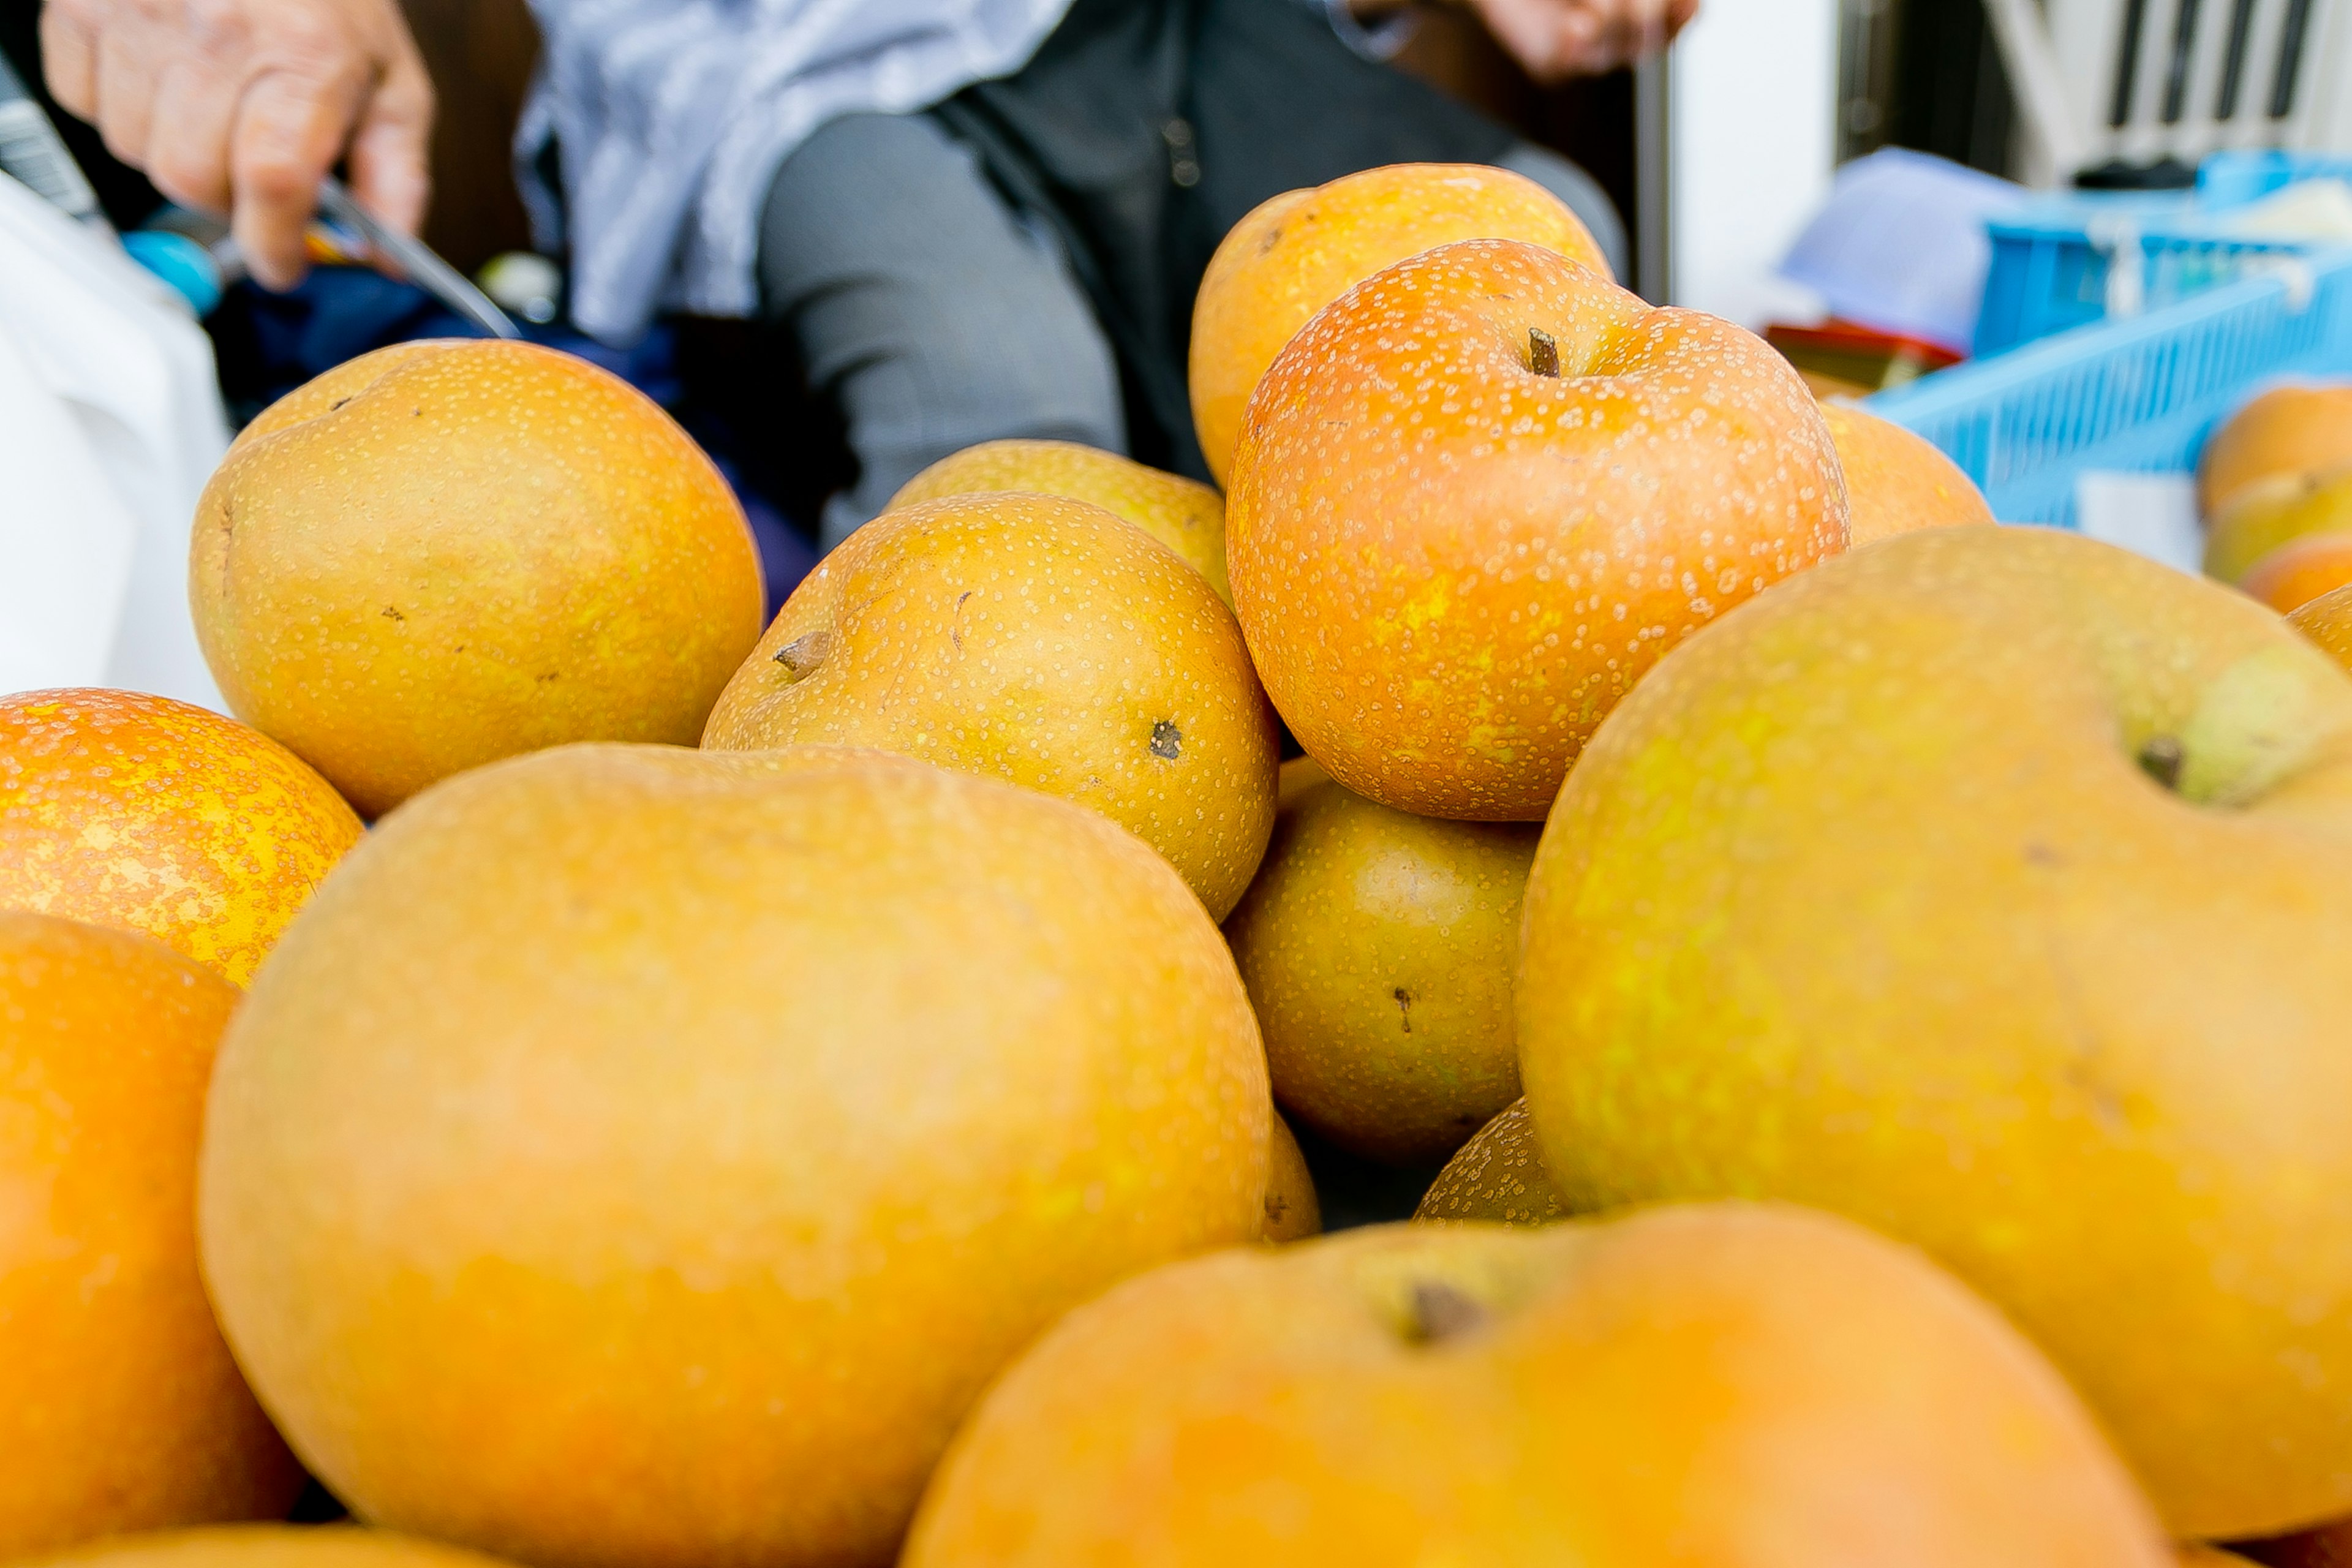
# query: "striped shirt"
{"type": "Point", "coordinates": [668, 118]}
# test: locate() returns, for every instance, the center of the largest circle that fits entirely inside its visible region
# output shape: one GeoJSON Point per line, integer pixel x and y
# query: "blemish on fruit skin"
{"type": "Point", "coordinates": [1091, 642]}
{"type": "Point", "coordinates": [1439, 1312]}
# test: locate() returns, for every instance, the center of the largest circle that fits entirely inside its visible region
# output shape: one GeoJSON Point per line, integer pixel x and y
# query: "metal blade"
{"type": "Point", "coordinates": [415, 258]}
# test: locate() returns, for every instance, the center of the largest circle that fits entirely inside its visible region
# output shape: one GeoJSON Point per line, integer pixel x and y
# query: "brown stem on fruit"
{"type": "Point", "coordinates": [1543, 352]}
{"type": "Point", "coordinates": [1440, 1312]}
{"type": "Point", "coordinates": [2161, 758]}
{"type": "Point", "coordinates": [805, 653]}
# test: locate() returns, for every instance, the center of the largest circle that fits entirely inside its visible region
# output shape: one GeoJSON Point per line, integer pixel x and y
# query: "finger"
{"type": "Point", "coordinates": [188, 145]}
{"type": "Point", "coordinates": [289, 130]}
{"type": "Point", "coordinates": [128, 67]}
{"type": "Point", "coordinates": [1579, 42]}
{"type": "Point", "coordinates": [1529, 31]}
{"type": "Point", "coordinates": [389, 163]}
{"type": "Point", "coordinates": [1635, 31]}
{"type": "Point", "coordinates": [69, 59]}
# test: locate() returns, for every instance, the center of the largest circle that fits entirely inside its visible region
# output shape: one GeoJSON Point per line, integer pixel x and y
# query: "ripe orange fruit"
{"type": "Point", "coordinates": [269, 1546]}
{"type": "Point", "coordinates": [1038, 640]}
{"type": "Point", "coordinates": [442, 553]}
{"type": "Point", "coordinates": [1896, 482]}
{"type": "Point", "coordinates": [148, 814]}
{"type": "Point", "coordinates": [1292, 1213]}
{"type": "Point", "coordinates": [640, 1156]}
{"type": "Point", "coordinates": [1296, 252]}
{"type": "Point", "coordinates": [1480, 495]}
{"type": "Point", "coordinates": [1499, 1175]}
{"type": "Point", "coordinates": [120, 1407]}
{"type": "Point", "coordinates": [1715, 1384]}
{"type": "Point", "coordinates": [2287, 431]}
{"type": "Point", "coordinates": [2327, 621]}
{"type": "Point", "coordinates": [1378, 949]}
{"type": "Point", "coordinates": [2300, 571]}
{"type": "Point", "coordinates": [1185, 515]}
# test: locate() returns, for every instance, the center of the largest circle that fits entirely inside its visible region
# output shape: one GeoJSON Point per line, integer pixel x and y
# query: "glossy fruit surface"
{"type": "Point", "coordinates": [679, 1141]}
{"type": "Point", "coordinates": [1296, 252]}
{"type": "Point", "coordinates": [1033, 639]}
{"type": "Point", "coordinates": [270, 1546]}
{"type": "Point", "coordinates": [1712, 1385]}
{"type": "Point", "coordinates": [446, 552]}
{"type": "Point", "coordinates": [1896, 482]}
{"type": "Point", "coordinates": [1990, 886]}
{"type": "Point", "coordinates": [1378, 950]}
{"type": "Point", "coordinates": [2300, 571]}
{"type": "Point", "coordinates": [1184, 514]}
{"type": "Point", "coordinates": [1450, 564]}
{"type": "Point", "coordinates": [147, 815]}
{"type": "Point", "coordinates": [2288, 430]}
{"type": "Point", "coordinates": [120, 1407]}
{"type": "Point", "coordinates": [2327, 621]}
{"type": "Point", "coordinates": [1498, 1176]}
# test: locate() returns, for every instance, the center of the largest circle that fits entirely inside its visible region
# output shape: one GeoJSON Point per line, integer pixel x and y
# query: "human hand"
{"type": "Point", "coordinates": [241, 106]}
{"type": "Point", "coordinates": [1554, 39]}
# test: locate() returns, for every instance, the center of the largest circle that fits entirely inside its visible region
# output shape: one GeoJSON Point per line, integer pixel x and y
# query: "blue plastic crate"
{"type": "Point", "coordinates": [2231, 179]}
{"type": "Point", "coordinates": [2052, 259]}
{"type": "Point", "coordinates": [2136, 396]}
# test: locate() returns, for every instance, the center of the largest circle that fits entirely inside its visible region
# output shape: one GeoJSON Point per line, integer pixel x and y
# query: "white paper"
{"type": "Point", "coordinates": [2153, 515]}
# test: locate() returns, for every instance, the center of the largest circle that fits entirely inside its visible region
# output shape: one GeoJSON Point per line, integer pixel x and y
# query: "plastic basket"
{"type": "Point", "coordinates": [2231, 179]}
{"type": "Point", "coordinates": [2053, 261]}
{"type": "Point", "coordinates": [2136, 396]}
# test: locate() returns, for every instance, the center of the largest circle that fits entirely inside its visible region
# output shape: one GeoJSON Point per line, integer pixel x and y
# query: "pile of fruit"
{"type": "Point", "coordinates": [2275, 488]}
{"type": "Point", "coordinates": [1880, 988]}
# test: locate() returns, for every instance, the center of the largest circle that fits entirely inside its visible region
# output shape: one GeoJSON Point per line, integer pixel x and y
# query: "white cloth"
{"type": "Point", "coordinates": [672, 115]}
{"type": "Point", "coordinates": [110, 422]}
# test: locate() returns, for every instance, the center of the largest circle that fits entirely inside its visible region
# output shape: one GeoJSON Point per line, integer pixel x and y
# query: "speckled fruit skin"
{"type": "Point", "coordinates": [2300, 571]}
{"type": "Point", "coordinates": [148, 814]}
{"type": "Point", "coordinates": [269, 1546]}
{"type": "Point", "coordinates": [1449, 567]}
{"type": "Point", "coordinates": [642, 1157]}
{"type": "Point", "coordinates": [1036, 640]}
{"type": "Point", "coordinates": [1292, 1212]}
{"type": "Point", "coordinates": [1896, 482]}
{"type": "Point", "coordinates": [2287, 431]}
{"type": "Point", "coordinates": [2327, 621]}
{"type": "Point", "coordinates": [120, 1407]}
{"type": "Point", "coordinates": [1706, 1385]}
{"type": "Point", "coordinates": [1378, 950]}
{"type": "Point", "coordinates": [2266, 516]}
{"type": "Point", "coordinates": [1498, 1176]}
{"type": "Point", "coordinates": [442, 553]}
{"type": "Point", "coordinates": [1296, 252]}
{"type": "Point", "coordinates": [1185, 515]}
{"type": "Point", "coordinates": [1864, 899]}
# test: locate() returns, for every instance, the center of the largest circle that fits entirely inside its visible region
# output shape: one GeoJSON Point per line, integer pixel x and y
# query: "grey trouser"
{"type": "Point", "coordinates": [934, 316]}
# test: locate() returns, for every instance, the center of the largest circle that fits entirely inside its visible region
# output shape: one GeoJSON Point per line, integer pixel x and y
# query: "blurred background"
{"type": "Point", "coordinates": [1889, 190]}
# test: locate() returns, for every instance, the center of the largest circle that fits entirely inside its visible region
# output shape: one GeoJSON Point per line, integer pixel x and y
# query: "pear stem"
{"type": "Point", "coordinates": [2161, 758]}
{"type": "Point", "coordinates": [1543, 352]}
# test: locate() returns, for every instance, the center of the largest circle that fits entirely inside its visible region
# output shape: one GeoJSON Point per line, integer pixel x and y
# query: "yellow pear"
{"type": "Point", "coordinates": [1993, 886]}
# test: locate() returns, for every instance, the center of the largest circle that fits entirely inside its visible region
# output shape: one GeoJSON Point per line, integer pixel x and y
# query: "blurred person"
{"type": "Point", "coordinates": [975, 219]}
